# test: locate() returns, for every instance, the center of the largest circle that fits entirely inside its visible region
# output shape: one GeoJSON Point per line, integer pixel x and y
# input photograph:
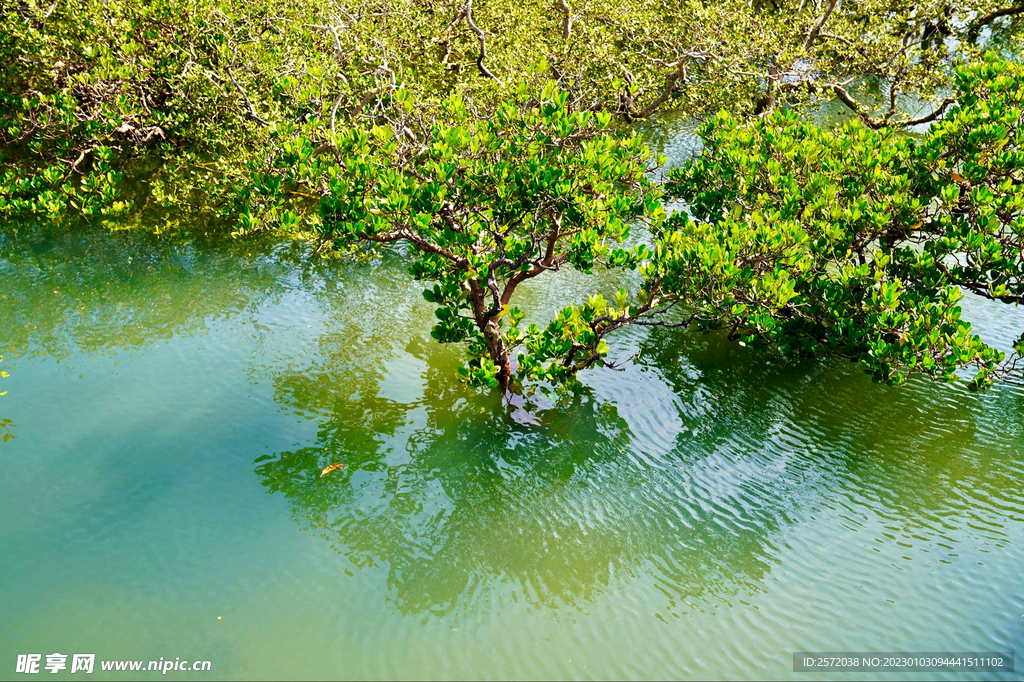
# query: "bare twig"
{"type": "Point", "coordinates": [248, 103]}
{"type": "Point", "coordinates": [812, 34]}
{"type": "Point", "coordinates": [482, 37]}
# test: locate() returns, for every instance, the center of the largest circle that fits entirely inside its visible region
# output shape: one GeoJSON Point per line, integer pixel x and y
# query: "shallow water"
{"type": "Point", "coordinates": [704, 513]}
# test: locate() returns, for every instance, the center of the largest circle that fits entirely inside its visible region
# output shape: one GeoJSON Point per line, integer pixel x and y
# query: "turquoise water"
{"type": "Point", "coordinates": [704, 513]}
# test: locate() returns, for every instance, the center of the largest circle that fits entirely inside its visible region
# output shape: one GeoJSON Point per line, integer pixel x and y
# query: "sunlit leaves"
{"type": "Point", "coordinates": [487, 203]}
{"type": "Point", "coordinates": [852, 241]}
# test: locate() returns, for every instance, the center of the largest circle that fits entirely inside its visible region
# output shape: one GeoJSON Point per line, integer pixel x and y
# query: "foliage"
{"type": "Point", "coordinates": [856, 242]}
{"type": "Point", "coordinates": [486, 204]}
{"type": "Point", "coordinates": [109, 108]}
{"type": "Point", "coordinates": [428, 122]}
{"type": "Point", "coordinates": [112, 109]}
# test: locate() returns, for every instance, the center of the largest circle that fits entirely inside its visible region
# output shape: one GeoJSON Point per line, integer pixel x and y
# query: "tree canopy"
{"type": "Point", "coordinates": [493, 140]}
{"type": "Point", "coordinates": [853, 241]}
{"type": "Point", "coordinates": [488, 204]}
{"type": "Point", "coordinates": [199, 97]}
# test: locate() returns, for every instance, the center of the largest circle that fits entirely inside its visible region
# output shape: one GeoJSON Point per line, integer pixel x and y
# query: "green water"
{"type": "Point", "coordinates": [704, 513]}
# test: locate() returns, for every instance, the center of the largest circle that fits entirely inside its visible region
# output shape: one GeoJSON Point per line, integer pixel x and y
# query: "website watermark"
{"type": "Point", "coordinates": [31, 664]}
{"type": "Point", "coordinates": [889, 661]}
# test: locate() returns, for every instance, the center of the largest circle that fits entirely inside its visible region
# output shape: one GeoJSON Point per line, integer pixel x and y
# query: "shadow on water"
{"type": "Point", "coordinates": [456, 498]}
{"type": "Point", "coordinates": [914, 455]}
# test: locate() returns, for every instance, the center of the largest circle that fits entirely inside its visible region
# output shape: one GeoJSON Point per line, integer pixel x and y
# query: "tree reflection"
{"type": "Point", "coordinates": [929, 459]}
{"type": "Point", "coordinates": [463, 504]}
{"type": "Point", "coordinates": [71, 289]}
{"type": "Point", "coordinates": [682, 476]}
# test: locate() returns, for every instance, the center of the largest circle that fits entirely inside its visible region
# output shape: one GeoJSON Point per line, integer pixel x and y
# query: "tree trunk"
{"type": "Point", "coordinates": [498, 352]}
{"type": "Point", "coordinates": [491, 331]}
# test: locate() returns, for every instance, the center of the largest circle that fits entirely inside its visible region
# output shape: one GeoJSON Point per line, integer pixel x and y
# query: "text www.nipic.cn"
{"type": "Point", "coordinates": [86, 663]}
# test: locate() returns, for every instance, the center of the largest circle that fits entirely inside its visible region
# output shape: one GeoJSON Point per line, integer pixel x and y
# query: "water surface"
{"type": "Point", "coordinates": [704, 513]}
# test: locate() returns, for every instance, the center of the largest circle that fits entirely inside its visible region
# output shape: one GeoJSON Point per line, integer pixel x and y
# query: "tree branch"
{"type": "Point", "coordinates": [248, 103]}
{"type": "Point", "coordinates": [974, 28]}
{"type": "Point", "coordinates": [812, 34]}
{"type": "Point", "coordinates": [567, 18]}
{"type": "Point", "coordinates": [482, 37]}
{"type": "Point", "coordinates": [875, 123]}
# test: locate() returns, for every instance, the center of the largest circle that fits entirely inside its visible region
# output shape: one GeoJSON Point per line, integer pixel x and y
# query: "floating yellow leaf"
{"type": "Point", "coordinates": [329, 468]}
